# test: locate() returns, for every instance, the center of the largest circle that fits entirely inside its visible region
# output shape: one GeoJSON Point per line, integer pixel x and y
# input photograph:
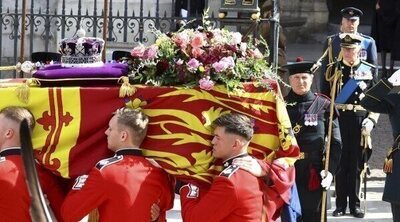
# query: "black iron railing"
{"type": "Point", "coordinates": [49, 21]}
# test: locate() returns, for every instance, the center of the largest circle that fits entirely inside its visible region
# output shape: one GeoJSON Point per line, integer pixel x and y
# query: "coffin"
{"type": "Point", "coordinates": [69, 135]}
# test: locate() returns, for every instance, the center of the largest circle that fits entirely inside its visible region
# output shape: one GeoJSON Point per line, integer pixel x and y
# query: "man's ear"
{"type": "Point", "coordinates": [238, 144]}
{"type": "Point", "coordinates": [124, 135]}
{"type": "Point", "coordinates": [9, 133]}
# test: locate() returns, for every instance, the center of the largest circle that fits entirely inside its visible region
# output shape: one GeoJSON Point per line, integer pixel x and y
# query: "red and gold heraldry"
{"type": "Point", "coordinates": [69, 135]}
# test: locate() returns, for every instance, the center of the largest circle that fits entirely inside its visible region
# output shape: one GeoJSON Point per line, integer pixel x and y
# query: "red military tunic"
{"type": "Point", "coordinates": [14, 197]}
{"type": "Point", "coordinates": [235, 195]}
{"type": "Point", "coordinates": [123, 188]}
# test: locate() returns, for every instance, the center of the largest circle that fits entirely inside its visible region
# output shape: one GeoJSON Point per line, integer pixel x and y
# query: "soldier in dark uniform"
{"type": "Point", "coordinates": [125, 186]}
{"type": "Point", "coordinates": [235, 195]}
{"type": "Point", "coordinates": [384, 97]}
{"type": "Point", "coordinates": [350, 21]}
{"type": "Point", "coordinates": [309, 114]}
{"type": "Point", "coordinates": [354, 76]}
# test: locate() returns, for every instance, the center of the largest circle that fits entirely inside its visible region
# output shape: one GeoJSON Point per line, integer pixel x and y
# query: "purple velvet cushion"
{"type": "Point", "coordinates": [108, 70]}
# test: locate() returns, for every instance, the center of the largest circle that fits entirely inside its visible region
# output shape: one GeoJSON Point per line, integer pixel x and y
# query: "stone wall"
{"type": "Point", "coordinates": [316, 14]}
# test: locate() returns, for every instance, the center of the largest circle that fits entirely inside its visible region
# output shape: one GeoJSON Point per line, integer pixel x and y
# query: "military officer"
{"type": "Point", "coordinates": [350, 22]}
{"type": "Point", "coordinates": [384, 97]}
{"type": "Point", "coordinates": [353, 76]}
{"type": "Point", "coordinates": [125, 186]}
{"type": "Point", "coordinates": [309, 114]}
{"type": "Point", "coordinates": [235, 195]}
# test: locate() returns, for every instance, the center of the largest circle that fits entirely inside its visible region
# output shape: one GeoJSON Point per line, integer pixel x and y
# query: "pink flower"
{"type": "Point", "coordinates": [228, 61]}
{"type": "Point", "coordinates": [223, 64]}
{"type": "Point", "coordinates": [197, 52]}
{"type": "Point", "coordinates": [219, 66]}
{"type": "Point", "coordinates": [193, 64]}
{"type": "Point", "coordinates": [179, 62]}
{"type": "Point", "coordinates": [150, 52]}
{"type": "Point", "coordinates": [181, 40]}
{"type": "Point", "coordinates": [206, 83]}
{"type": "Point", "coordinates": [198, 40]}
{"type": "Point", "coordinates": [138, 51]}
{"type": "Point", "coordinates": [256, 54]}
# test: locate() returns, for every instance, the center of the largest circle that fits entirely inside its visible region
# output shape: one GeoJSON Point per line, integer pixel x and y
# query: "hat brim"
{"type": "Point", "coordinates": [349, 46]}
{"type": "Point", "coordinates": [299, 67]}
{"type": "Point", "coordinates": [353, 18]}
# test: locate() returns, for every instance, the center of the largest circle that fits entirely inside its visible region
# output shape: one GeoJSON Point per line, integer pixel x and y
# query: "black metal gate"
{"type": "Point", "coordinates": [48, 21]}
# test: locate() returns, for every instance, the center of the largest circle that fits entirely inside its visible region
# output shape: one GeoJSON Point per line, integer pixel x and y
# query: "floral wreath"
{"type": "Point", "coordinates": [200, 57]}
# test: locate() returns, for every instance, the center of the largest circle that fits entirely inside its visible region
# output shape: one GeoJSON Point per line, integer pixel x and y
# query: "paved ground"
{"type": "Point", "coordinates": [377, 210]}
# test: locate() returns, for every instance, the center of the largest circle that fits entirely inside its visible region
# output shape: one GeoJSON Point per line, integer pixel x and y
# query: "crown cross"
{"type": "Point", "coordinates": [79, 49]}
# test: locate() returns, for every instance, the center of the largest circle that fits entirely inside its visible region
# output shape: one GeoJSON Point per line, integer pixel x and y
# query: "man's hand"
{"type": "Point", "coordinates": [326, 179]}
{"type": "Point", "coordinates": [155, 211]}
{"type": "Point", "coordinates": [250, 165]}
{"type": "Point", "coordinates": [388, 165]}
{"type": "Point", "coordinates": [367, 126]}
{"type": "Point", "coordinates": [395, 78]}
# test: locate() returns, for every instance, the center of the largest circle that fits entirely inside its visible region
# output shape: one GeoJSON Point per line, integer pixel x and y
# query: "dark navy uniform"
{"type": "Point", "coordinates": [368, 51]}
{"type": "Point", "coordinates": [382, 98]}
{"type": "Point", "coordinates": [360, 76]}
{"type": "Point", "coordinates": [311, 140]}
{"type": "Point", "coordinates": [235, 196]}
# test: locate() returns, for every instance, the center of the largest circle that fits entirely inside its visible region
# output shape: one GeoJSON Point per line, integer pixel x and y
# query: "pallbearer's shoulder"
{"type": "Point", "coordinates": [229, 171]}
{"type": "Point", "coordinates": [109, 161]}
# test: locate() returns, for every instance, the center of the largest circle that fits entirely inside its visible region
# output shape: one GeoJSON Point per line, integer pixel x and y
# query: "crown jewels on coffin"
{"type": "Point", "coordinates": [81, 52]}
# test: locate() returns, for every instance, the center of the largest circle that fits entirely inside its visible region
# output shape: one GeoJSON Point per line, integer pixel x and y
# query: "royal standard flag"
{"type": "Point", "coordinates": [69, 136]}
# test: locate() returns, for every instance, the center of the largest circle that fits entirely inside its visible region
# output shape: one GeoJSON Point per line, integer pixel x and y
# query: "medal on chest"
{"type": "Point", "coordinates": [310, 119]}
{"type": "Point", "coordinates": [296, 128]}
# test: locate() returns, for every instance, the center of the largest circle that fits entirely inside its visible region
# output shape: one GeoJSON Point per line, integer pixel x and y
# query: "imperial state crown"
{"type": "Point", "coordinates": [81, 51]}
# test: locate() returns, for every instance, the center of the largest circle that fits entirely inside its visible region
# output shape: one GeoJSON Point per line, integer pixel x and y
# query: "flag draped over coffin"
{"type": "Point", "coordinates": [69, 136]}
